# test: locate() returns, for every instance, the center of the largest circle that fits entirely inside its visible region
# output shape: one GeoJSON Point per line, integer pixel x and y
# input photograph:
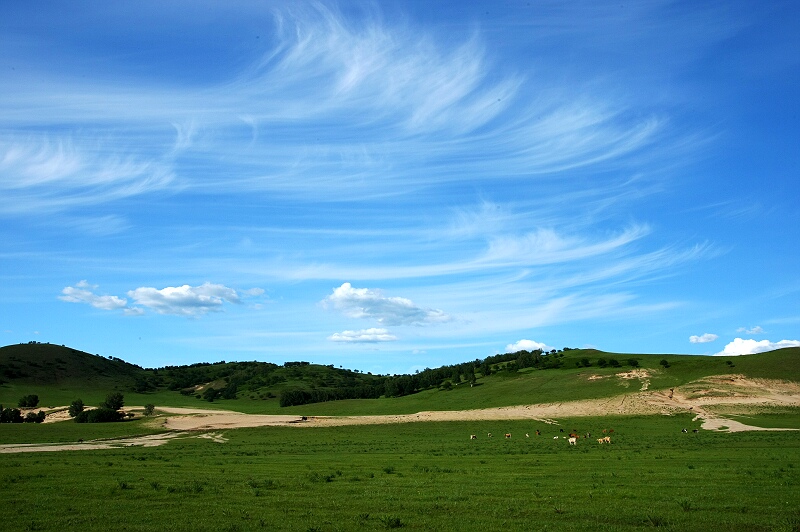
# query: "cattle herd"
{"type": "Point", "coordinates": [572, 439]}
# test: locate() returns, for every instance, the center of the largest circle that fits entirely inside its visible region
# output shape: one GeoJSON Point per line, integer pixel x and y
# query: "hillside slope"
{"type": "Point", "coordinates": [59, 375]}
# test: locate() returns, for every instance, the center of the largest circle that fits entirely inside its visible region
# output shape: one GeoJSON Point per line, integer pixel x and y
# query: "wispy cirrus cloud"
{"type": "Point", "coordinates": [182, 300]}
{"type": "Point", "coordinates": [751, 330]}
{"type": "Point", "coordinates": [44, 174]}
{"type": "Point", "coordinates": [392, 107]}
{"type": "Point", "coordinates": [367, 303]}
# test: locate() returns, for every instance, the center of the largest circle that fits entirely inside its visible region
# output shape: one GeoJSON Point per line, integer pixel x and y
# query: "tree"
{"type": "Point", "coordinates": [29, 401]}
{"type": "Point", "coordinates": [664, 363]}
{"type": "Point", "coordinates": [632, 362]}
{"type": "Point", "coordinates": [38, 417]}
{"type": "Point", "coordinates": [149, 409]}
{"type": "Point", "coordinates": [114, 401]}
{"type": "Point", "coordinates": [10, 415]}
{"type": "Point", "coordinates": [76, 407]}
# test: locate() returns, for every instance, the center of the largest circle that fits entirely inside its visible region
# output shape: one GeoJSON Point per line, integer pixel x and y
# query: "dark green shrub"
{"type": "Point", "coordinates": [38, 417]}
{"type": "Point", "coordinates": [210, 394]}
{"type": "Point", "coordinates": [99, 415]}
{"type": "Point", "coordinates": [76, 407]}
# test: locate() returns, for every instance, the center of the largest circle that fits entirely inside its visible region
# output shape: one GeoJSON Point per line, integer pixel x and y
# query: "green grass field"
{"type": "Point", "coordinates": [418, 476]}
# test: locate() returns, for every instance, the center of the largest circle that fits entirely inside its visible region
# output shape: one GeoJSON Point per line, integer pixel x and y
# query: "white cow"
{"type": "Point", "coordinates": [572, 440]}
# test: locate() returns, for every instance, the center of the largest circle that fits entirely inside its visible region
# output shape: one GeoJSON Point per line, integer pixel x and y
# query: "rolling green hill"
{"type": "Point", "coordinates": [59, 374]}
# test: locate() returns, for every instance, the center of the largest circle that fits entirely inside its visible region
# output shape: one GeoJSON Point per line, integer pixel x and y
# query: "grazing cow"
{"type": "Point", "coordinates": [489, 435]}
{"type": "Point", "coordinates": [684, 431]}
{"type": "Point", "coordinates": [538, 433]}
{"type": "Point", "coordinates": [572, 440]}
{"type": "Point", "coordinates": [603, 440]}
{"type": "Point", "coordinates": [555, 437]}
{"type": "Point", "coordinates": [607, 439]}
{"type": "Point", "coordinates": [600, 441]}
{"type": "Point", "coordinates": [508, 435]}
{"type": "Point", "coordinates": [561, 430]}
{"type": "Point", "coordinates": [695, 431]}
{"type": "Point", "coordinates": [473, 437]}
{"type": "Point", "coordinates": [527, 435]}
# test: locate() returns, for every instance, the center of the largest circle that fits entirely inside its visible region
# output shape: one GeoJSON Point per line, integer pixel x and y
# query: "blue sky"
{"type": "Point", "coordinates": [399, 185]}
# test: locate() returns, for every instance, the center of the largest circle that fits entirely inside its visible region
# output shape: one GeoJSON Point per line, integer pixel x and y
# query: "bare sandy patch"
{"type": "Point", "coordinates": [152, 440]}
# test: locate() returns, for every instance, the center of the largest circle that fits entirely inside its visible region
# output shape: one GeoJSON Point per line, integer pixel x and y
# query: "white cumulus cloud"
{"type": "Point", "coordinates": [740, 346]}
{"type": "Point", "coordinates": [363, 336]}
{"type": "Point", "coordinates": [528, 345]}
{"type": "Point", "coordinates": [703, 338]}
{"type": "Point", "coordinates": [83, 293]}
{"type": "Point", "coordinates": [372, 304]}
{"type": "Point", "coordinates": [185, 300]}
{"type": "Point", "coordinates": [181, 300]}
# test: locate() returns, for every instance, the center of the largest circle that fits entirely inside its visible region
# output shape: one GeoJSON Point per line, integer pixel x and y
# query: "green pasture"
{"type": "Point", "coordinates": [418, 476]}
{"type": "Point", "coordinates": [67, 431]}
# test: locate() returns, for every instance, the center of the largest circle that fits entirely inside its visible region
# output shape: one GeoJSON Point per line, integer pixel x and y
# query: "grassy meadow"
{"type": "Point", "coordinates": [415, 476]}
{"type": "Point", "coordinates": [418, 476]}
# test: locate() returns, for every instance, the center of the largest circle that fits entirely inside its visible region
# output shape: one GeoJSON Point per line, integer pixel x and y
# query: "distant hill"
{"type": "Point", "coordinates": [38, 363]}
{"type": "Point", "coordinates": [59, 374]}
